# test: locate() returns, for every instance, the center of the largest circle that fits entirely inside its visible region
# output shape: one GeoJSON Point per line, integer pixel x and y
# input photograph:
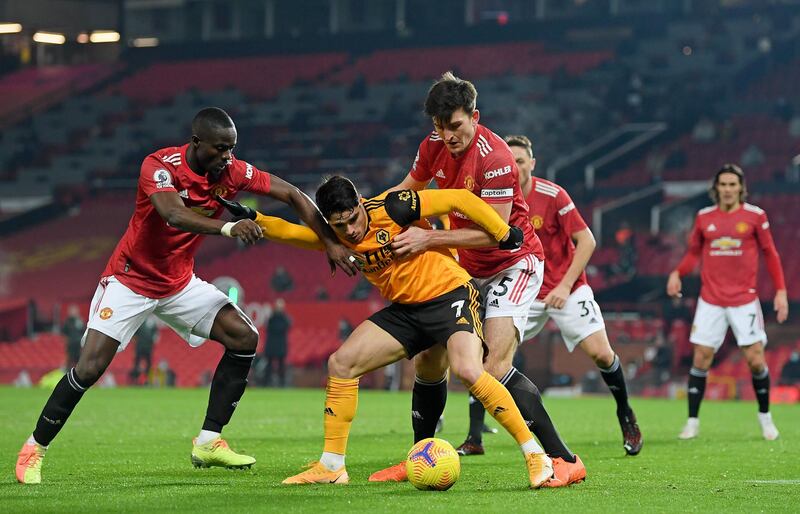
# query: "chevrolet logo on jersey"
{"type": "Point", "coordinates": [382, 236]}
{"type": "Point", "coordinates": [726, 242]}
{"type": "Point", "coordinates": [726, 246]}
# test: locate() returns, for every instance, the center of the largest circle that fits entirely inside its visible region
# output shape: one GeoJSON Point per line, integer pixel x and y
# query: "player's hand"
{"type": "Point", "coordinates": [247, 231]}
{"type": "Point", "coordinates": [238, 210]}
{"type": "Point", "coordinates": [513, 240]}
{"type": "Point", "coordinates": [557, 297]}
{"type": "Point", "coordinates": [345, 258]}
{"type": "Point", "coordinates": [781, 306]}
{"type": "Point", "coordinates": [411, 241]}
{"type": "Point", "coordinates": [674, 285]}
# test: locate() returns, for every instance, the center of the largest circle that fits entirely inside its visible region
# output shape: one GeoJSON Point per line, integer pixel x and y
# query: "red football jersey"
{"type": "Point", "coordinates": [555, 218]}
{"type": "Point", "coordinates": [154, 259]}
{"type": "Point", "coordinates": [729, 244]}
{"type": "Point", "coordinates": [487, 168]}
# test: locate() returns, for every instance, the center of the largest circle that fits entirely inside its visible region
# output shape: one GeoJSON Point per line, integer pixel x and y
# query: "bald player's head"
{"type": "Point", "coordinates": [210, 119]}
{"type": "Point", "coordinates": [213, 139]}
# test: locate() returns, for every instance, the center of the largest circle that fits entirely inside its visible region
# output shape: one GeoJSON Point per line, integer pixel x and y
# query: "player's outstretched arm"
{"type": "Point", "coordinates": [338, 254]}
{"type": "Point", "coordinates": [169, 206]}
{"type": "Point", "coordinates": [434, 202]}
{"type": "Point", "coordinates": [276, 229]}
{"type": "Point", "coordinates": [415, 240]}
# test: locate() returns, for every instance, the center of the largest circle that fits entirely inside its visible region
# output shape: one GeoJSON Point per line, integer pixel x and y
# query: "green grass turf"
{"type": "Point", "coordinates": [128, 450]}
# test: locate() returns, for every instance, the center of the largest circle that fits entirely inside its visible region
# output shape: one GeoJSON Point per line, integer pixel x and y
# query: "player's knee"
{"type": "Point", "coordinates": [339, 367]}
{"type": "Point", "coordinates": [430, 367]}
{"type": "Point", "coordinates": [497, 367]}
{"type": "Point", "coordinates": [604, 358]}
{"type": "Point", "coordinates": [241, 338]}
{"type": "Point", "coordinates": [468, 373]}
{"type": "Point", "coordinates": [89, 369]}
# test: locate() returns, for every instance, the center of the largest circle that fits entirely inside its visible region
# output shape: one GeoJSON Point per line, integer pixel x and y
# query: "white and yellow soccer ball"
{"type": "Point", "coordinates": [433, 465]}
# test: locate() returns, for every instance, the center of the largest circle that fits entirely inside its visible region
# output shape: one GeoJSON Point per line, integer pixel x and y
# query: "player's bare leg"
{"type": "Point", "coordinates": [754, 354]}
{"type": "Point", "coordinates": [427, 404]}
{"type": "Point", "coordinates": [502, 340]}
{"type": "Point", "coordinates": [598, 348]}
{"type": "Point", "coordinates": [465, 353]}
{"type": "Point", "coordinates": [239, 337]}
{"type": "Point", "coordinates": [369, 347]}
{"type": "Point", "coordinates": [701, 362]}
{"type": "Point", "coordinates": [97, 353]}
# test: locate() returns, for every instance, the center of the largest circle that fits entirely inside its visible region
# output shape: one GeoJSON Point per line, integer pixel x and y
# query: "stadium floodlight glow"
{"type": "Point", "coordinates": [104, 36]}
{"type": "Point", "coordinates": [145, 42]}
{"type": "Point", "coordinates": [51, 38]}
{"type": "Point", "coordinates": [10, 28]}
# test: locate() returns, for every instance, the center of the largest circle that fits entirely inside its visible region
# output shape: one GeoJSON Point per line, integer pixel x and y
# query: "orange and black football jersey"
{"type": "Point", "coordinates": [414, 279]}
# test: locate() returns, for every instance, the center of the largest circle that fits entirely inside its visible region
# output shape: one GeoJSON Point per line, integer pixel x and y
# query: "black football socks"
{"type": "Point", "coordinates": [527, 397]}
{"type": "Point", "coordinates": [227, 388]}
{"type": "Point", "coordinates": [615, 380]}
{"type": "Point", "coordinates": [696, 390]}
{"type": "Point", "coordinates": [59, 406]}
{"type": "Point", "coordinates": [761, 387]}
{"type": "Point", "coordinates": [427, 405]}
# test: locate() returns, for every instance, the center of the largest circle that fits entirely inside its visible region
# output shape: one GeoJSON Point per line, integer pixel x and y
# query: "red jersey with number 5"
{"type": "Point", "coordinates": [154, 259]}
{"type": "Point", "coordinates": [487, 168]}
{"type": "Point", "coordinates": [555, 218]}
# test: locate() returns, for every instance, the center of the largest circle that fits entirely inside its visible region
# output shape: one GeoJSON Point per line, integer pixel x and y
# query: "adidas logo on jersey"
{"type": "Point", "coordinates": [329, 412]}
{"type": "Point", "coordinates": [499, 410]}
{"type": "Point", "coordinates": [462, 321]}
{"type": "Point", "coordinates": [593, 320]}
{"type": "Point", "coordinates": [483, 146]}
{"type": "Point", "coordinates": [416, 415]}
{"type": "Point", "coordinates": [712, 228]}
{"type": "Point", "coordinates": [494, 303]}
{"type": "Point", "coordinates": [693, 390]}
{"type": "Point", "coordinates": [440, 174]}
{"type": "Point", "coordinates": [183, 193]}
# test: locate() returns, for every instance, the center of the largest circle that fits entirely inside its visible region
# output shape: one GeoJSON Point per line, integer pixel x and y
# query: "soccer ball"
{"type": "Point", "coordinates": [433, 464]}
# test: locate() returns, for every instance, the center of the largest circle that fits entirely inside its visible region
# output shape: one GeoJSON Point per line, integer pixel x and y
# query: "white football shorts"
{"type": "Point", "coordinates": [118, 312]}
{"type": "Point", "coordinates": [578, 319]}
{"type": "Point", "coordinates": [711, 323]}
{"type": "Point", "coordinates": [510, 292]}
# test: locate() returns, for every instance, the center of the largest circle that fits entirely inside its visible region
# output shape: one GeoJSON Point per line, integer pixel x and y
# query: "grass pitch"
{"type": "Point", "coordinates": [128, 450]}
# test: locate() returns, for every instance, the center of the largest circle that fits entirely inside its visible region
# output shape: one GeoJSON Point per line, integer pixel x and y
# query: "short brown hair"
{"type": "Point", "coordinates": [522, 142]}
{"type": "Point", "coordinates": [727, 168]}
{"type": "Point", "coordinates": [449, 94]}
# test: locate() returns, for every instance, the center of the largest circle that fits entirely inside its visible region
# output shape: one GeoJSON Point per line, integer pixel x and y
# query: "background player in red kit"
{"type": "Point", "coordinates": [461, 153]}
{"type": "Point", "coordinates": [151, 271]}
{"type": "Point", "coordinates": [728, 236]}
{"type": "Point", "coordinates": [566, 295]}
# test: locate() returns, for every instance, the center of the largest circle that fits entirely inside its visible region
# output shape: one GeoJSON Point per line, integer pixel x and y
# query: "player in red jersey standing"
{"type": "Point", "coordinates": [151, 271]}
{"type": "Point", "coordinates": [461, 153]}
{"type": "Point", "coordinates": [566, 295]}
{"type": "Point", "coordinates": [728, 237]}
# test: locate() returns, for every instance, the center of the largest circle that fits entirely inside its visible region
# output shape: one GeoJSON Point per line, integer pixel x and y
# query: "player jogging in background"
{"type": "Point", "coordinates": [566, 295]}
{"type": "Point", "coordinates": [435, 303]}
{"type": "Point", "coordinates": [727, 237]}
{"type": "Point", "coordinates": [462, 153]}
{"type": "Point", "coordinates": [151, 271]}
